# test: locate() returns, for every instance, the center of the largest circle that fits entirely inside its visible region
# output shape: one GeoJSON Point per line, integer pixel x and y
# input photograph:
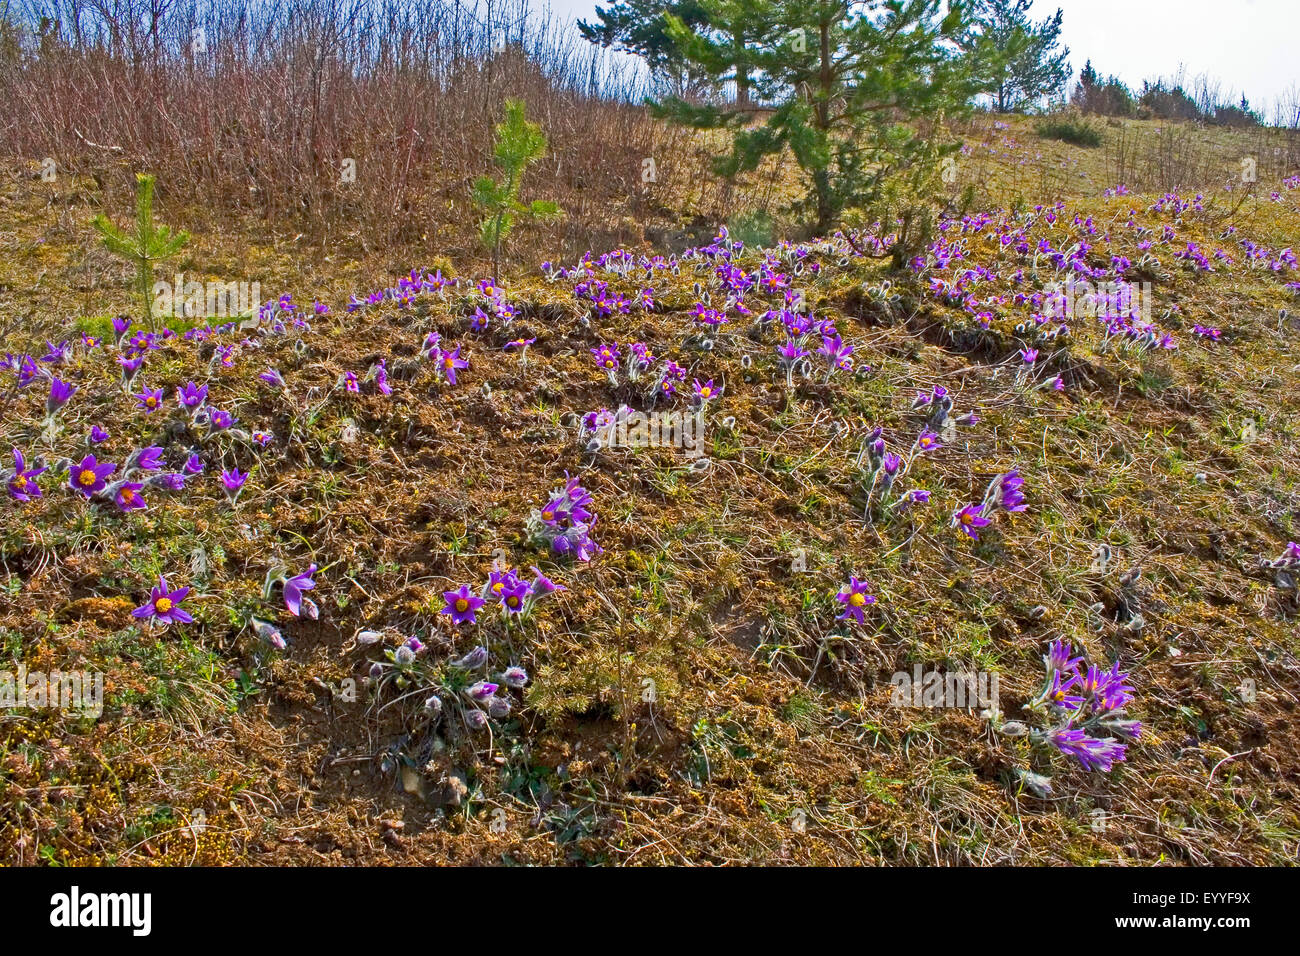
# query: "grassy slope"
{"type": "Point", "coordinates": [765, 709]}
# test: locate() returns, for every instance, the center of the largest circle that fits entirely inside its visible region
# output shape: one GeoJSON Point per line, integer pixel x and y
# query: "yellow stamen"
{"type": "Point", "coordinates": [462, 605]}
{"type": "Point", "coordinates": [857, 600]}
{"type": "Point", "coordinates": [87, 478]}
{"type": "Point", "coordinates": [162, 605]}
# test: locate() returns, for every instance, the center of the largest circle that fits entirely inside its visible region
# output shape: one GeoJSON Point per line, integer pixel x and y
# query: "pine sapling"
{"type": "Point", "coordinates": [146, 245]}
{"type": "Point", "coordinates": [519, 144]}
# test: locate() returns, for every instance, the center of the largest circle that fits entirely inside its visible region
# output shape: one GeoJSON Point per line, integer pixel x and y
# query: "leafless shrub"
{"type": "Point", "coordinates": [352, 120]}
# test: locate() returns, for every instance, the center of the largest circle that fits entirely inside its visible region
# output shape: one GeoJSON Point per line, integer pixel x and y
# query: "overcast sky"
{"type": "Point", "coordinates": [1249, 46]}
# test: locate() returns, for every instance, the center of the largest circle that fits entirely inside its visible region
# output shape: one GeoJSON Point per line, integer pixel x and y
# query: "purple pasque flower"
{"type": "Point", "coordinates": [936, 394]}
{"type": "Point", "coordinates": [127, 497]}
{"type": "Point", "coordinates": [194, 464]}
{"type": "Point", "coordinates": [1093, 753]}
{"type": "Point", "coordinates": [120, 324]}
{"type": "Point", "coordinates": [1058, 692]}
{"type": "Point", "coordinates": [1126, 728]}
{"type": "Point", "coordinates": [790, 352]}
{"type": "Point", "coordinates": [672, 374]}
{"type": "Point", "coordinates": [273, 378]}
{"type": "Point", "coordinates": [874, 446]}
{"type": "Point", "coordinates": [576, 540]}
{"type": "Point", "coordinates": [1058, 657]}
{"type": "Point", "coordinates": [482, 691]}
{"type": "Point", "coordinates": [498, 581]}
{"type": "Point", "coordinates": [170, 480]}
{"type": "Point", "coordinates": [149, 399]}
{"type": "Point", "coordinates": [837, 354]}
{"type": "Point", "coordinates": [21, 482]}
{"type": "Point", "coordinates": [888, 470]}
{"type": "Point", "coordinates": [130, 366]}
{"type": "Point", "coordinates": [607, 357]}
{"type": "Point", "coordinates": [1106, 690]}
{"type": "Point", "coordinates": [1004, 492]}
{"type": "Point", "coordinates": [220, 420]}
{"type": "Point", "coordinates": [381, 378]}
{"type": "Point", "coordinates": [164, 605]}
{"type": "Point", "coordinates": [57, 354]}
{"type": "Point", "coordinates": [513, 596]}
{"type": "Point", "coordinates": [541, 584]}
{"type": "Point", "coordinates": [515, 677]}
{"type": "Point", "coordinates": [97, 435]}
{"type": "Point", "coordinates": [855, 600]}
{"type": "Point", "coordinates": [522, 345]}
{"type": "Point", "coordinates": [578, 498]}
{"type": "Point", "coordinates": [233, 480]}
{"type": "Point", "coordinates": [449, 362]}
{"type": "Point", "coordinates": [554, 512]}
{"type": "Point", "coordinates": [705, 392]}
{"type": "Point", "coordinates": [917, 496]}
{"type": "Point", "coordinates": [461, 606]}
{"type": "Point", "coordinates": [148, 458]}
{"type": "Point", "coordinates": [28, 371]}
{"type": "Point", "coordinates": [1029, 356]}
{"type": "Point", "coordinates": [293, 588]}
{"type": "Point", "coordinates": [928, 441]}
{"type": "Point", "coordinates": [60, 393]}
{"type": "Point", "coordinates": [192, 396]}
{"type": "Point", "coordinates": [478, 656]}
{"type": "Point", "coordinates": [350, 382]}
{"type": "Point", "coordinates": [89, 477]}
{"type": "Point", "coordinates": [565, 521]}
{"type": "Point", "coordinates": [970, 520]}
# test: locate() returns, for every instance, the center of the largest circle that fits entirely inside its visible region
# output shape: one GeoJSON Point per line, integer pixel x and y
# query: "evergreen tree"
{"type": "Point", "coordinates": [519, 144]}
{"type": "Point", "coordinates": [146, 245]}
{"type": "Point", "coordinates": [854, 91]}
{"type": "Point", "coordinates": [1017, 59]}
{"type": "Point", "coordinates": [639, 27]}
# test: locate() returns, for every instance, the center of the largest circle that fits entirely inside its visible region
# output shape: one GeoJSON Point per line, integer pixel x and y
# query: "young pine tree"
{"type": "Point", "coordinates": [145, 246]}
{"type": "Point", "coordinates": [1019, 61]}
{"type": "Point", "coordinates": [854, 91]}
{"type": "Point", "coordinates": [519, 144]}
